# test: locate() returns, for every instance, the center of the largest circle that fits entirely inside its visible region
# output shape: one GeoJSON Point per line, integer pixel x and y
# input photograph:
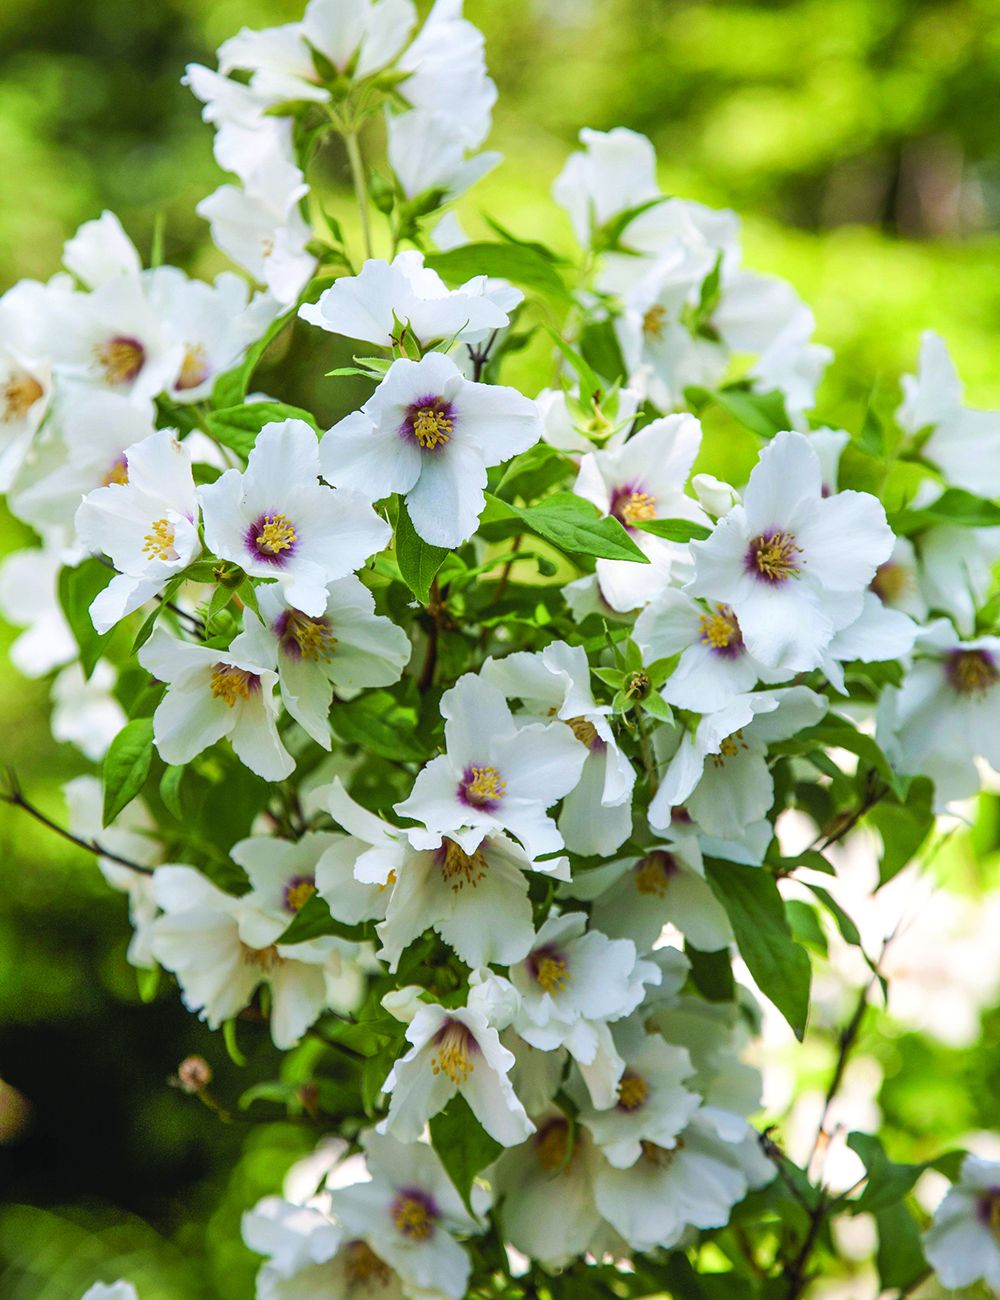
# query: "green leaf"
{"type": "Point", "coordinates": [170, 790]}
{"type": "Point", "coordinates": [126, 766]}
{"type": "Point", "coordinates": [510, 238]}
{"type": "Point", "coordinates": [836, 731]}
{"type": "Point", "coordinates": [418, 560]}
{"type": "Point", "coordinates": [608, 237]}
{"type": "Point", "coordinates": [954, 507]}
{"type": "Point", "coordinates": [369, 1038]}
{"type": "Point", "coordinates": [148, 982]}
{"type": "Point", "coordinates": [590, 385]}
{"type": "Point", "coordinates": [887, 1182]}
{"type": "Point", "coordinates": [231, 388]}
{"type": "Point", "coordinates": [756, 911]}
{"type": "Point", "coordinates": [573, 525]}
{"type": "Point", "coordinates": [518, 262]}
{"type": "Point", "coordinates": [805, 925]}
{"type": "Point", "coordinates": [237, 427]}
{"type": "Point", "coordinates": [247, 594]}
{"type": "Point", "coordinates": [847, 928]}
{"type": "Point", "coordinates": [601, 350]}
{"type": "Point", "coordinates": [712, 973]}
{"type": "Point", "coordinates": [77, 589]}
{"type": "Point", "coordinates": [167, 594]}
{"type": "Point", "coordinates": [379, 723]}
{"type": "Point", "coordinates": [872, 436]}
{"type": "Point", "coordinates": [904, 827]}
{"type": "Point", "coordinates": [674, 530]}
{"type": "Point", "coordinates": [900, 1258]}
{"type": "Point", "coordinates": [533, 472]}
{"type": "Point", "coordinates": [463, 1145]}
{"type": "Point", "coordinates": [313, 921]}
{"type": "Point", "coordinates": [761, 413]}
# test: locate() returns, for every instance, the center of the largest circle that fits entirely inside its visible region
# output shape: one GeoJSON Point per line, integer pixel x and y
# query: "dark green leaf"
{"type": "Point", "coordinates": [590, 385]}
{"type": "Point", "coordinates": [954, 507]}
{"type": "Point", "coordinates": [231, 388]}
{"type": "Point", "coordinates": [369, 1038]}
{"type": "Point", "coordinates": [903, 827]}
{"type": "Point", "coordinates": [518, 262]}
{"type": "Point", "coordinates": [126, 766]}
{"type": "Point", "coordinates": [805, 924]}
{"type": "Point", "coordinates": [313, 921]}
{"type": "Point", "coordinates": [872, 436]}
{"type": "Point", "coordinates": [845, 925]}
{"type": "Point", "coordinates": [761, 413]}
{"type": "Point", "coordinates": [170, 790]}
{"type": "Point", "coordinates": [574, 525]}
{"type": "Point", "coordinates": [712, 973]}
{"type": "Point", "coordinates": [601, 350]}
{"type": "Point", "coordinates": [609, 236]}
{"type": "Point", "coordinates": [463, 1145]}
{"type": "Point", "coordinates": [418, 560]}
{"type": "Point", "coordinates": [237, 427]}
{"type": "Point", "coordinates": [379, 723]}
{"type": "Point", "coordinates": [756, 910]}
{"type": "Point", "coordinates": [510, 238]}
{"type": "Point", "coordinates": [674, 530]}
{"type": "Point", "coordinates": [900, 1258]}
{"type": "Point", "coordinates": [887, 1182]}
{"type": "Point", "coordinates": [77, 589]}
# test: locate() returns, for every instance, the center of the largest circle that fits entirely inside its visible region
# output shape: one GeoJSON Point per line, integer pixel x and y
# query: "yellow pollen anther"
{"type": "Point", "coordinates": [729, 748]}
{"type": "Point", "coordinates": [774, 554]}
{"type": "Point", "coordinates": [297, 895]}
{"type": "Point", "coordinates": [972, 672]}
{"type": "Point", "coordinates": [276, 535]}
{"type": "Point", "coordinates": [194, 367]}
{"type": "Point", "coordinates": [552, 974]}
{"type": "Point", "coordinates": [363, 1267]}
{"type": "Point", "coordinates": [18, 395]}
{"type": "Point", "coordinates": [452, 1056]}
{"type": "Point", "coordinates": [231, 684]}
{"type": "Point", "coordinates": [653, 874]}
{"type": "Point", "coordinates": [412, 1218]}
{"type": "Point", "coordinates": [583, 730]}
{"type": "Point", "coordinates": [638, 508]}
{"type": "Point", "coordinates": [720, 629]}
{"type": "Point", "coordinates": [460, 868]}
{"type": "Point", "coordinates": [266, 246]}
{"type": "Point", "coordinates": [121, 360]}
{"type": "Point", "coordinates": [633, 1091]}
{"type": "Point", "coordinates": [654, 321]}
{"type": "Point", "coordinates": [662, 1157]}
{"type": "Point", "coordinates": [431, 428]}
{"type": "Point", "coordinates": [118, 473]}
{"type": "Point", "coordinates": [892, 582]}
{"type": "Point", "coordinates": [486, 785]}
{"type": "Point", "coordinates": [266, 958]}
{"type": "Point", "coordinates": [313, 637]}
{"type": "Point", "coordinates": [552, 1145]}
{"type": "Point", "coordinates": [390, 880]}
{"type": "Point", "coordinates": [159, 541]}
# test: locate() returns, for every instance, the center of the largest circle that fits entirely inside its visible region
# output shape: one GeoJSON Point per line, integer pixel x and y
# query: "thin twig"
{"type": "Point", "coordinates": [480, 357]}
{"type": "Point", "coordinates": [16, 799]}
{"type": "Point", "coordinates": [505, 574]}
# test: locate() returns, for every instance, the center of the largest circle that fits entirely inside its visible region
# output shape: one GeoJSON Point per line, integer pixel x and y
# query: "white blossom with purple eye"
{"type": "Point", "coordinates": [790, 563]}
{"type": "Point", "coordinates": [429, 433]}
{"type": "Point", "coordinates": [276, 520]}
{"type": "Point", "coordinates": [963, 1243]}
{"type": "Point", "coordinates": [495, 775]}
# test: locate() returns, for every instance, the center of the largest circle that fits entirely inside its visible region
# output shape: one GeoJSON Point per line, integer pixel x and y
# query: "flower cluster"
{"type": "Point", "coordinates": [454, 737]}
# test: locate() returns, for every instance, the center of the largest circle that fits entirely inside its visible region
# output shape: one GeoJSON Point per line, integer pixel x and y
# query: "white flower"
{"type": "Point", "coordinates": [946, 712]}
{"type": "Point", "coordinates": [111, 1291]}
{"type": "Point", "coordinates": [28, 599]}
{"type": "Point", "coordinates": [348, 645]}
{"type": "Point", "coordinates": [965, 443]}
{"type": "Point", "coordinates": [963, 1245]}
{"type": "Point", "coordinates": [696, 1182]}
{"type": "Point", "coordinates": [494, 776]}
{"type": "Point", "coordinates": [211, 694]}
{"type": "Point", "coordinates": [584, 597]}
{"type": "Point", "coordinates": [877, 634]}
{"type": "Point", "coordinates": [453, 1051]}
{"type": "Point", "coordinates": [427, 152]}
{"type": "Point", "coordinates": [572, 983]}
{"type": "Point", "coordinates": [653, 1104]}
{"type": "Point", "coordinates": [248, 140]}
{"type": "Point", "coordinates": [277, 521]}
{"type": "Point", "coordinates": [428, 433]}
{"type": "Point", "coordinates": [735, 789]}
{"type": "Point", "coordinates": [386, 296]}
{"type": "Point", "coordinates": [148, 525]}
{"type": "Point", "coordinates": [85, 712]}
{"type": "Point", "coordinates": [221, 948]}
{"type": "Point", "coordinates": [448, 72]}
{"type": "Point", "coordinates": [25, 395]}
{"type": "Point", "coordinates": [407, 1212]}
{"type": "Point", "coordinates": [283, 876]}
{"type": "Point", "coordinates": [956, 571]}
{"type": "Point", "coordinates": [101, 251]}
{"type": "Point", "coordinates": [549, 1212]}
{"type": "Point", "coordinates": [614, 173]}
{"type": "Point", "coordinates": [791, 564]}
{"type": "Point", "coordinates": [793, 365]}
{"type": "Point", "coordinates": [897, 579]}
{"type": "Point", "coordinates": [596, 815]}
{"type": "Point", "coordinates": [640, 481]}
{"type": "Point", "coordinates": [125, 837]}
{"type": "Point", "coordinates": [568, 425]}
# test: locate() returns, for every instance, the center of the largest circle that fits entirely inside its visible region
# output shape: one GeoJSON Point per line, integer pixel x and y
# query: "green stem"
{"type": "Point", "coordinates": [360, 188]}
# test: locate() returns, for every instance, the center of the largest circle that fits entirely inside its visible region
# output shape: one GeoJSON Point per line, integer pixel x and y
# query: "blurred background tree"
{"type": "Point", "coordinates": [860, 140]}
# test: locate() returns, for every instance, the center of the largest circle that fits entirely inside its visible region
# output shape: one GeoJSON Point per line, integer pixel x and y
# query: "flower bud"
{"type": "Point", "coordinates": [404, 1003]}
{"type": "Point", "coordinates": [194, 1074]}
{"type": "Point", "coordinates": [228, 575]}
{"type": "Point", "coordinates": [714, 496]}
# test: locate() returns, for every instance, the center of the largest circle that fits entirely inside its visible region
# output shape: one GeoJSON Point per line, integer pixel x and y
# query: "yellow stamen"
{"type": "Point", "coordinates": [314, 638]}
{"type": "Point", "coordinates": [231, 684]}
{"type": "Point", "coordinates": [118, 473]}
{"type": "Point", "coordinates": [971, 672]}
{"type": "Point", "coordinates": [159, 541]}
{"type": "Point", "coordinates": [633, 1091]}
{"type": "Point", "coordinates": [729, 748]}
{"type": "Point", "coordinates": [653, 322]}
{"type": "Point", "coordinates": [459, 868]}
{"type": "Point", "coordinates": [552, 974]}
{"type": "Point", "coordinates": [431, 428]}
{"type": "Point", "coordinates": [892, 582]}
{"type": "Point", "coordinates": [773, 554]}
{"type": "Point", "coordinates": [638, 508]}
{"type": "Point", "coordinates": [121, 360]}
{"type": "Point", "coordinates": [412, 1218]}
{"type": "Point", "coordinates": [363, 1267]}
{"type": "Point", "coordinates": [18, 395]}
{"type": "Point", "coordinates": [297, 895]}
{"type": "Point", "coordinates": [452, 1056]}
{"type": "Point", "coordinates": [653, 874]}
{"type": "Point", "coordinates": [486, 785]}
{"type": "Point", "coordinates": [662, 1157]}
{"type": "Point", "coordinates": [265, 958]}
{"type": "Point", "coordinates": [276, 535]}
{"type": "Point", "coordinates": [552, 1145]}
{"type": "Point", "coordinates": [194, 367]}
{"type": "Point", "coordinates": [390, 880]}
{"type": "Point", "coordinates": [720, 629]}
{"type": "Point", "coordinates": [583, 730]}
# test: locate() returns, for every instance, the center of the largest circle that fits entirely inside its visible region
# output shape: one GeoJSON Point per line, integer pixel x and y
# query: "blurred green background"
{"type": "Point", "coordinates": [860, 140]}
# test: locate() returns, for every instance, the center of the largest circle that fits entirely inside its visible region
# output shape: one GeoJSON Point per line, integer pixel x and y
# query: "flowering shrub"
{"type": "Point", "coordinates": [448, 743]}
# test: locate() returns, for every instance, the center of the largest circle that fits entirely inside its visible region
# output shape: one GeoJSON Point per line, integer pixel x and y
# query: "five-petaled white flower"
{"type": "Point", "coordinates": [963, 1243]}
{"type": "Point", "coordinates": [429, 433]}
{"type": "Point", "coordinates": [276, 520]}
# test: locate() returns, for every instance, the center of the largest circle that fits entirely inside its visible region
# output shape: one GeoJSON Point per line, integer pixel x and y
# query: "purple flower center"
{"type": "Point", "coordinates": [121, 358]}
{"type": "Point", "coordinates": [548, 968]}
{"type": "Point", "coordinates": [720, 632]}
{"type": "Point", "coordinates": [631, 505]}
{"type": "Point", "coordinates": [971, 672]}
{"type": "Point", "coordinates": [482, 787]}
{"type": "Point", "coordinates": [271, 537]}
{"type": "Point", "coordinates": [773, 556]}
{"type": "Point", "coordinates": [655, 872]}
{"type": "Point", "coordinates": [415, 1213]}
{"type": "Point", "coordinates": [302, 637]}
{"type": "Point", "coordinates": [429, 422]}
{"type": "Point", "coordinates": [298, 891]}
